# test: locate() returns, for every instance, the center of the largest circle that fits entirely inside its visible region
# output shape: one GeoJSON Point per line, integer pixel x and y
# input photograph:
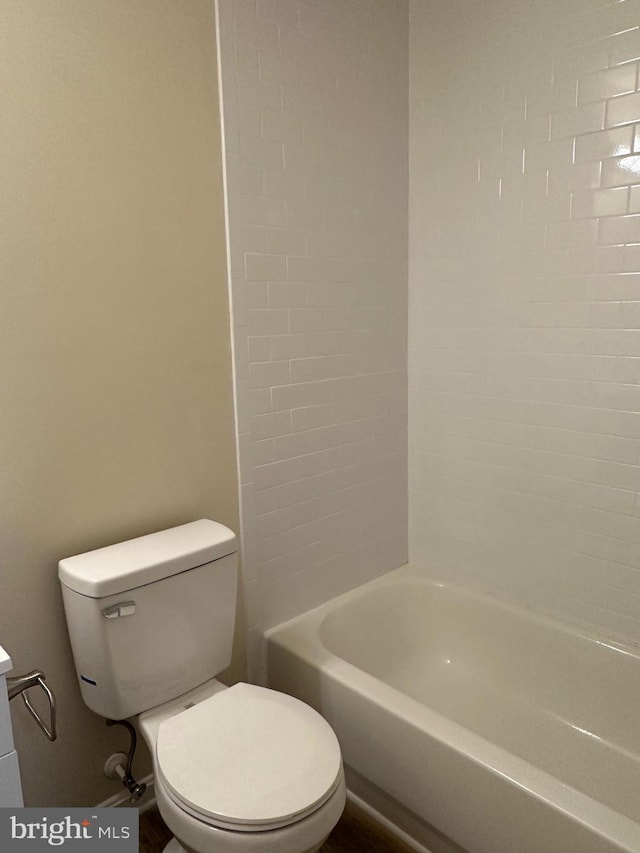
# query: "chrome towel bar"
{"type": "Point", "coordinates": [21, 684]}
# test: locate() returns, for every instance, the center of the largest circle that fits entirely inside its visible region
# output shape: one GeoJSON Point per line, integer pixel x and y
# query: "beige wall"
{"type": "Point", "coordinates": [115, 377]}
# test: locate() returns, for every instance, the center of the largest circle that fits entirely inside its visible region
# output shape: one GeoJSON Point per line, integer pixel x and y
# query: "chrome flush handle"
{"type": "Point", "coordinates": [122, 608]}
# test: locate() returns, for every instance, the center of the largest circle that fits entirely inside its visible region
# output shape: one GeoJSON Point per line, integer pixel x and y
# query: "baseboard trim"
{"type": "Point", "coordinates": [121, 799]}
{"type": "Point", "coordinates": [384, 821]}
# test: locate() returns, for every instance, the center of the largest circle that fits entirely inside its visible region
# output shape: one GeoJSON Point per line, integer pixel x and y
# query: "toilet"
{"type": "Point", "coordinates": [239, 768]}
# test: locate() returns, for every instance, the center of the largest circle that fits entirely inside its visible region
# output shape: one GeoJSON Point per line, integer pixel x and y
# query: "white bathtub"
{"type": "Point", "coordinates": [507, 732]}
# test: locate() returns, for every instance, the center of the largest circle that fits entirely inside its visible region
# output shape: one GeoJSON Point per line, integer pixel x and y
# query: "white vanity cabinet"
{"type": "Point", "coordinates": [10, 788]}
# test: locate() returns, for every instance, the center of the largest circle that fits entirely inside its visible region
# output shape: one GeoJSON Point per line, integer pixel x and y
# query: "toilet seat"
{"type": "Point", "coordinates": [248, 759]}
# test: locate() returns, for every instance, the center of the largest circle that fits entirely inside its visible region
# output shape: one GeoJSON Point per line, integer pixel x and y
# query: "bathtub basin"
{"type": "Point", "coordinates": [506, 731]}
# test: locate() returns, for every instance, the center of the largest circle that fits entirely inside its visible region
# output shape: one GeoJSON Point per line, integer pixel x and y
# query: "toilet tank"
{"type": "Point", "coordinates": [151, 618]}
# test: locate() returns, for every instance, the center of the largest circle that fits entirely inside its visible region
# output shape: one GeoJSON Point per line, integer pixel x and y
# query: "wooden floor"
{"type": "Point", "coordinates": [356, 832]}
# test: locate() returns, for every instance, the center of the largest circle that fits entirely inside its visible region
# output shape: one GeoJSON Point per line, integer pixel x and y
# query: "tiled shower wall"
{"type": "Point", "coordinates": [524, 330]}
{"type": "Point", "coordinates": [315, 99]}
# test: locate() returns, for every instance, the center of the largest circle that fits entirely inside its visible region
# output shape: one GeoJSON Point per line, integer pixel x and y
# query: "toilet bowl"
{"type": "Point", "coordinates": [306, 836]}
{"type": "Point", "coordinates": [244, 769]}
{"type": "Point", "coordinates": [239, 768]}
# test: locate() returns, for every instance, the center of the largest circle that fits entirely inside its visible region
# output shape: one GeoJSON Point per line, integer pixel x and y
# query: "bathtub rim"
{"type": "Point", "coordinates": [409, 572]}
{"type": "Point", "coordinates": [599, 818]}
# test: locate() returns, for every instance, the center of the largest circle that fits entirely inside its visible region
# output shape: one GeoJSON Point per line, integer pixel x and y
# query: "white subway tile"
{"type": "Point", "coordinates": [289, 397]}
{"type": "Point", "coordinates": [607, 143]}
{"type": "Point", "coordinates": [317, 187]}
{"type": "Point", "coordinates": [270, 425]}
{"type": "Point", "coordinates": [621, 171]}
{"type": "Point", "coordinates": [569, 234]}
{"type": "Point", "coordinates": [319, 269]}
{"type": "Point", "coordinates": [258, 400]}
{"type": "Point", "coordinates": [299, 158]}
{"type": "Point", "coordinates": [607, 84]}
{"type": "Point", "coordinates": [257, 153]}
{"type": "Point", "coordinates": [262, 267]}
{"type": "Point", "coordinates": [268, 321]}
{"type": "Point", "coordinates": [285, 241]}
{"type": "Point", "coordinates": [284, 12]}
{"type": "Point", "coordinates": [268, 373]}
{"type": "Point", "coordinates": [255, 294]}
{"type": "Point", "coordinates": [250, 182]}
{"type": "Point", "coordinates": [542, 97]}
{"type": "Point", "coordinates": [253, 239]}
{"type": "Point", "coordinates": [620, 229]}
{"type": "Point", "coordinates": [263, 95]}
{"type": "Point", "coordinates": [255, 210]}
{"type": "Point", "coordinates": [281, 127]}
{"type": "Point", "coordinates": [589, 204]}
{"type": "Point", "coordinates": [583, 119]}
{"type": "Point", "coordinates": [583, 58]}
{"type": "Point", "coordinates": [574, 178]}
{"type": "Point", "coordinates": [623, 110]}
{"type": "Point", "coordinates": [546, 156]}
{"type": "Point", "coordinates": [634, 200]}
{"type": "Point", "coordinates": [524, 355]}
{"type": "Point", "coordinates": [285, 185]}
{"type": "Point", "coordinates": [257, 349]}
{"type": "Point", "coordinates": [303, 213]}
{"type": "Point", "coordinates": [625, 46]}
{"type": "Point", "coordinates": [287, 295]}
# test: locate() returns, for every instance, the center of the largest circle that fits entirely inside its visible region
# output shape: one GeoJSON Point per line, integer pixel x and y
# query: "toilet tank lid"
{"type": "Point", "coordinates": [127, 565]}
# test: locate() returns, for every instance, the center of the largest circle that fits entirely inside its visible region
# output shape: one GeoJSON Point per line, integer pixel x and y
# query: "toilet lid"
{"type": "Point", "coordinates": [249, 758]}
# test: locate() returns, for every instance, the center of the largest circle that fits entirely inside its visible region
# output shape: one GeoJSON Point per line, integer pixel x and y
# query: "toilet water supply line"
{"type": "Point", "coordinates": [136, 789]}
